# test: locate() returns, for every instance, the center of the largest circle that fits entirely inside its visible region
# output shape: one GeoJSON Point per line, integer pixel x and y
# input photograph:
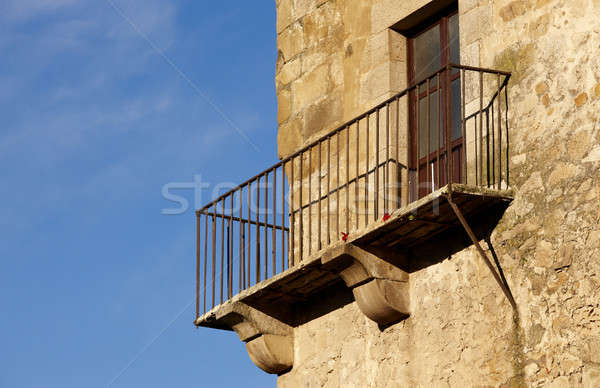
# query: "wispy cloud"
{"type": "Point", "coordinates": [79, 100]}
{"type": "Point", "coordinates": [22, 10]}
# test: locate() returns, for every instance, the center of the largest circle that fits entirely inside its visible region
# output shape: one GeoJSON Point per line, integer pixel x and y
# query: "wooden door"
{"type": "Point", "coordinates": [435, 114]}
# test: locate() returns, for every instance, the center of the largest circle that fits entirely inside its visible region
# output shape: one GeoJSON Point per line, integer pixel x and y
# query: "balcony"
{"type": "Point", "coordinates": [418, 177]}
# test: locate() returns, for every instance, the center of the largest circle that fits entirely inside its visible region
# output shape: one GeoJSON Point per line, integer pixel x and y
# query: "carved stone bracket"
{"type": "Point", "coordinates": [379, 287]}
{"type": "Point", "coordinates": [269, 342]}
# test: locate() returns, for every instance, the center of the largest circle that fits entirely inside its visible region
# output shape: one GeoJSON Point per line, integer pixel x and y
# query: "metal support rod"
{"type": "Point", "coordinates": [197, 266]}
{"type": "Point", "coordinates": [487, 261]}
{"type": "Point", "coordinates": [205, 258]}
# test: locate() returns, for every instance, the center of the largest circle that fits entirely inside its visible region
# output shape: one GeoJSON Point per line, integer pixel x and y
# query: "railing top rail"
{"type": "Point", "coordinates": [312, 144]}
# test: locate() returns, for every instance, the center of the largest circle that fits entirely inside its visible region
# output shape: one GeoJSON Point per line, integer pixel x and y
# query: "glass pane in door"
{"type": "Point", "coordinates": [433, 125]}
{"type": "Point", "coordinates": [454, 39]}
{"type": "Point", "coordinates": [427, 53]}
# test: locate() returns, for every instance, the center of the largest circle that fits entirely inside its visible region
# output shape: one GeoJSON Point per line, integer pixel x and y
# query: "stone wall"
{"type": "Point", "coordinates": [337, 59]}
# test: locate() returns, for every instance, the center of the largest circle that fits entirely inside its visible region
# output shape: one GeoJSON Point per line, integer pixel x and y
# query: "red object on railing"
{"type": "Point", "coordinates": [344, 236]}
{"type": "Point", "coordinates": [386, 217]}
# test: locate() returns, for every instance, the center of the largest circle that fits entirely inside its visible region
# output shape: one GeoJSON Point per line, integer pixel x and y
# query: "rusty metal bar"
{"type": "Point", "coordinates": [463, 126]}
{"type": "Point", "coordinates": [222, 247]}
{"type": "Point", "coordinates": [301, 242]}
{"type": "Point", "coordinates": [347, 179]}
{"type": "Point", "coordinates": [266, 237]}
{"type": "Point", "coordinates": [480, 128]}
{"type": "Point", "coordinates": [409, 157]}
{"type": "Point", "coordinates": [376, 215]}
{"type": "Point", "coordinates": [487, 261]}
{"type": "Point", "coordinates": [367, 173]}
{"type": "Point", "coordinates": [320, 245]}
{"type": "Point", "coordinates": [328, 190]}
{"type": "Point", "coordinates": [205, 257]}
{"type": "Point", "coordinates": [491, 158]}
{"type": "Point", "coordinates": [273, 229]}
{"type": "Point", "coordinates": [499, 137]}
{"type": "Point", "coordinates": [356, 210]}
{"type": "Point", "coordinates": [197, 265]}
{"type": "Point", "coordinates": [243, 220]}
{"type": "Point", "coordinates": [386, 170]}
{"type": "Point", "coordinates": [231, 249]}
{"type": "Point", "coordinates": [228, 277]}
{"type": "Point", "coordinates": [309, 201]}
{"type": "Point", "coordinates": [337, 184]}
{"type": "Point", "coordinates": [439, 131]}
{"type": "Point", "coordinates": [244, 273]}
{"type": "Point", "coordinates": [449, 158]}
{"type": "Point", "coordinates": [292, 218]}
{"type": "Point", "coordinates": [507, 138]}
{"type": "Point", "coordinates": [398, 168]}
{"type": "Point", "coordinates": [214, 255]}
{"type": "Point", "coordinates": [417, 148]}
{"type": "Point", "coordinates": [241, 227]}
{"type": "Point", "coordinates": [249, 264]}
{"type": "Point", "coordinates": [283, 219]}
{"type": "Point", "coordinates": [258, 230]}
{"type": "Point", "coordinates": [428, 151]}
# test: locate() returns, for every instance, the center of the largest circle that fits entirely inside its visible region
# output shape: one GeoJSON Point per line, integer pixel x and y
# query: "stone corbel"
{"type": "Point", "coordinates": [379, 287]}
{"type": "Point", "coordinates": [269, 342]}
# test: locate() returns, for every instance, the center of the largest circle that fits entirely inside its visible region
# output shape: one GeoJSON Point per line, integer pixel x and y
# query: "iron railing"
{"type": "Point", "coordinates": [384, 159]}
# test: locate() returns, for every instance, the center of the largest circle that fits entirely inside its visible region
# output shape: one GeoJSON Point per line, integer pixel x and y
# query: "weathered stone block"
{"type": "Point", "coordinates": [284, 105]}
{"type": "Point", "coordinates": [291, 41]}
{"type": "Point", "coordinates": [310, 88]}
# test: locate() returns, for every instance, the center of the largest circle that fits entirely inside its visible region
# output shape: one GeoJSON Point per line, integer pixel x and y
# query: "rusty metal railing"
{"type": "Point", "coordinates": [450, 127]}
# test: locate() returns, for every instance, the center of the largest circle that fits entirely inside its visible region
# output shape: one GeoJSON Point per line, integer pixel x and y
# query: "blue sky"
{"type": "Point", "coordinates": [97, 284]}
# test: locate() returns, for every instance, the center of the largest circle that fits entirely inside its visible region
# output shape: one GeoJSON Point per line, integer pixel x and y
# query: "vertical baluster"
{"type": "Point", "coordinates": [301, 208]}
{"type": "Point", "coordinates": [449, 128]}
{"type": "Point", "coordinates": [386, 171]}
{"type": "Point", "coordinates": [347, 179]}
{"type": "Point", "coordinates": [228, 278]}
{"type": "Point", "coordinates": [328, 190]}
{"type": "Point", "coordinates": [320, 196]}
{"type": "Point", "coordinates": [249, 238]}
{"type": "Point", "coordinates": [231, 275]}
{"type": "Point", "coordinates": [481, 128]}
{"type": "Point", "coordinates": [499, 136]}
{"type": "Point", "coordinates": [221, 216]}
{"type": "Point", "coordinates": [258, 276]}
{"type": "Point", "coordinates": [398, 180]}
{"type": "Point", "coordinates": [310, 200]}
{"type": "Point", "coordinates": [274, 226]}
{"type": "Point", "coordinates": [376, 215]}
{"type": "Point", "coordinates": [205, 259]}
{"type": "Point", "coordinates": [283, 218]}
{"type": "Point", "coordinates": [430, 186]}
{"type": "Point", "coordinates": [487, 147]}
{"type": "Point", "coordinates": [367, 207]}
{"type": "Point", "coordinates": [475, 147]}
{"type": "Point", "coordinates": [356, 210]}
{"type": "Point", "coordinates": [338, 186]}
{"type": "Point", "coordinates": [214, 252]}
{"type": "Point", "coordinates": [266, 221]}
{"type": "Point", "coordinates": [240, 242]}
{"type": "Point", "coordinates": [197, 265]}
{"type": "Point", "coordinates": [439, 131]}
{"type": "Point", "coordinates": [418, 147]}
{"type": "Point", "coordinates": [507, 138]}
{"type": "Point", "coordinates": [463, 126]}
{"type": "Point", "coordinates": [292, 213]}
